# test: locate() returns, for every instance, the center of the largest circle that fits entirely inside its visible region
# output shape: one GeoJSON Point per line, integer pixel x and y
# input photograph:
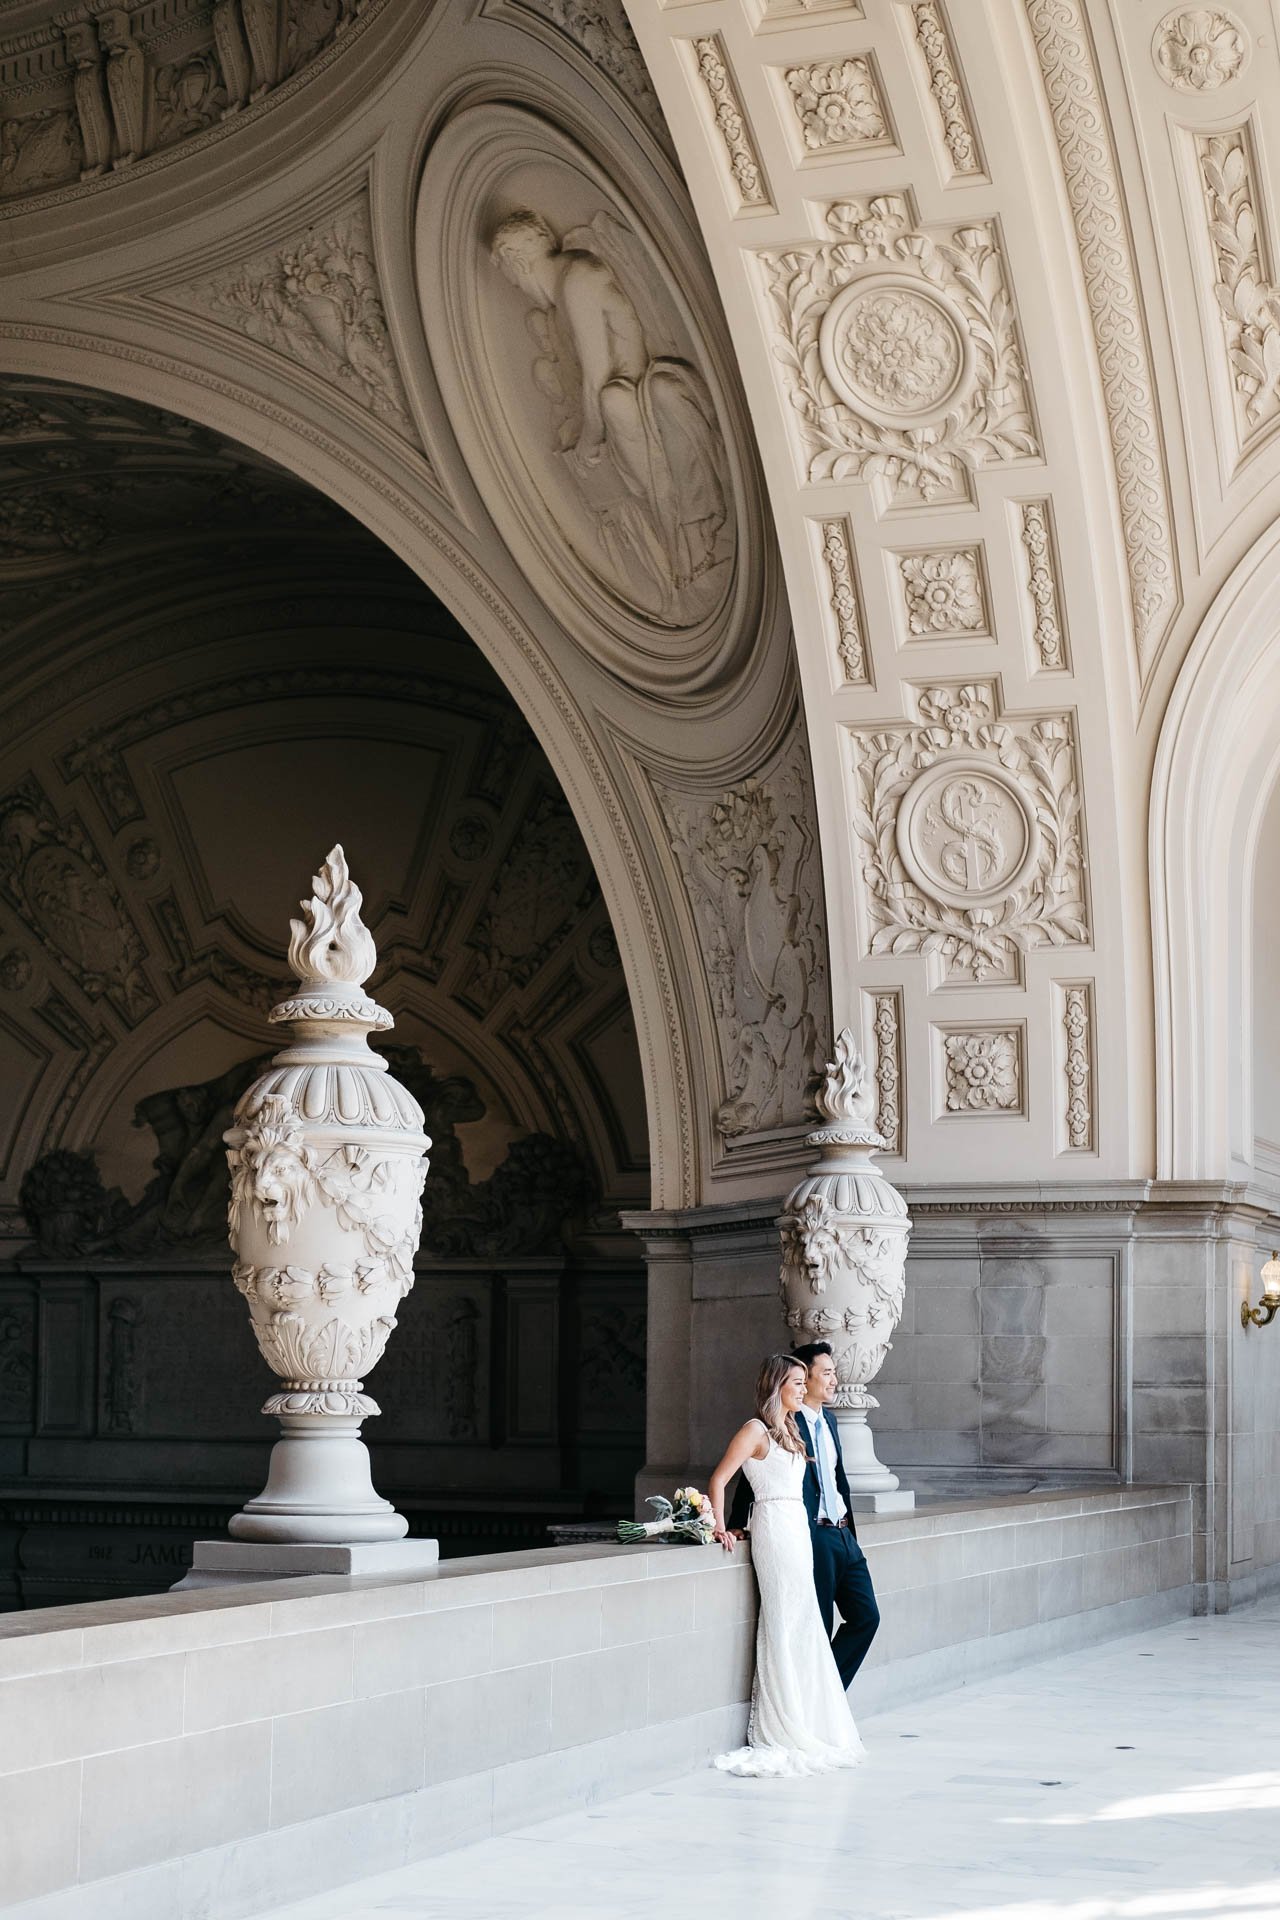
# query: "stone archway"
{"type": "Point", "coordinates": [1215, 766]}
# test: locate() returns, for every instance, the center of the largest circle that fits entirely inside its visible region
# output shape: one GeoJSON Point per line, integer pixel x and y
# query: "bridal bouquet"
{"type": "Point", "coordinates": [686, 1517]}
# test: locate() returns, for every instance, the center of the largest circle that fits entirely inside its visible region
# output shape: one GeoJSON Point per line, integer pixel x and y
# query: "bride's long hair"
{"type": "Point", "coordinates": [781, 1424]}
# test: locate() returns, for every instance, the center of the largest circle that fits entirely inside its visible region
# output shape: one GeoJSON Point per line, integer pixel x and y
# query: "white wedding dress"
{"type": "Point", "coordinates": [800, 1720]}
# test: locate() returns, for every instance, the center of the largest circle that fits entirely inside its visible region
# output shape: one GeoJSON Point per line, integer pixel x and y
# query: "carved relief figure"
{"type": "Point", "coordinates": [635, 424]}
{"type": "Point", "coordinates": [748, 863]}
{"type": "Point", "coordinates": [89, 87]}
{"type": "Point", "coordinates": [126, 84]}
{"type": "Point", "coordinates": [233, 54]}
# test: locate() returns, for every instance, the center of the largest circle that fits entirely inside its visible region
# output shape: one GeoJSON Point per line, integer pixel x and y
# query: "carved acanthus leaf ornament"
{"type": "Point", "coordinates": [603, 32]}
{"type": "Point", "coordinates": [748, 858]}
{"type": "Point", "coordinates": [1248, 297]}
{"type": "Point", "coordinates": [316, 300]}
{"type": "Point", "coordinates": [971, 834]}
{"type": "Point", "coordinates": [899, 353]}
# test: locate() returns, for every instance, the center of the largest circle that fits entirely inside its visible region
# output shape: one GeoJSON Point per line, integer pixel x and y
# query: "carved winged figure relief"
{"type": "Point", "coordinates": [635, 424]}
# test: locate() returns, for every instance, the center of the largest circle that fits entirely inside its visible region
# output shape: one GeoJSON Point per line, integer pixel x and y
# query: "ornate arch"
{"type": "Point", "coordinates": [412, 525]}
{"type": "Point", "coordinates": [1216, 761]}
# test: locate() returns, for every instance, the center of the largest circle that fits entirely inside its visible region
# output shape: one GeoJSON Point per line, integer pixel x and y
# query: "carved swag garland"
{"type": "Point", "coordinates": [988, 418]}
{"type": "Point", "coordinates": [1036, 758]}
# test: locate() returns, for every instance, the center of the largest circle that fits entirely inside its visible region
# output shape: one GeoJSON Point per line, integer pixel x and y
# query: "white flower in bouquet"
{"type": "Point", "coordinates": [688, 1516]}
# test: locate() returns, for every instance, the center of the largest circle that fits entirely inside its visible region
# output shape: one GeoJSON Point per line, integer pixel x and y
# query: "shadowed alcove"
{"type": "Point", "coordinates": [213, 675]}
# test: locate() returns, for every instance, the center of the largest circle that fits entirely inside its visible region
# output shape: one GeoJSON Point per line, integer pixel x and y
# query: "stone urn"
{"type": "Point", "coordinates": [327, 1156]}
{"type": "Point", "coordinates": [844, 1256]}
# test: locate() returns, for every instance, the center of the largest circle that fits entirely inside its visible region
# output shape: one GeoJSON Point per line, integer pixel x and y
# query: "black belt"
{"type": "Point", "coordinates": [833, 1523]}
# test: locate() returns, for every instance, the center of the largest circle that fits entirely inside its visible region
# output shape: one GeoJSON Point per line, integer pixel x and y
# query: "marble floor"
{"type": "Point", "coordinates": [1137, 1781]}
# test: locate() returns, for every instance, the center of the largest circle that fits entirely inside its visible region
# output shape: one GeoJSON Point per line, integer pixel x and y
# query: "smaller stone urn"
{"type": "Point", "coordinates": [844, 1257]}
{"type": "Point", "coordinates": [327, 1158]}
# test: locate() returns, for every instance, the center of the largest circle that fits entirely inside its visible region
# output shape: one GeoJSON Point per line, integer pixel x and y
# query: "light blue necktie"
{"type": "Point", "coordinates": [827, 1511]}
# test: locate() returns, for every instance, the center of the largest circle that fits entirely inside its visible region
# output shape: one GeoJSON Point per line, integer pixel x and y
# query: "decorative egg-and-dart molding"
{"type": "Point", "coordinates": [844, 1253]}
{"type": "Point", "coordinates": [327, 1159]}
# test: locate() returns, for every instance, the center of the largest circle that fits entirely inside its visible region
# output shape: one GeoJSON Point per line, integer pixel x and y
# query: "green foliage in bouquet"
{"type": "Point", "coordinates": [688, 1516]}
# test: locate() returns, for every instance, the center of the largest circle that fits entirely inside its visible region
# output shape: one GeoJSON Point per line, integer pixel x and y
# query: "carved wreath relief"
{"type": "Point", "coordinates": [899, 352]}
{"type": "Point", "coordinates": [970, 828]}
{"type": "Point", "coordinates": [748, 857]}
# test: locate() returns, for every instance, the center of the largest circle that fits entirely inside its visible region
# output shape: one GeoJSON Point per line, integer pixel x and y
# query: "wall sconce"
{"type": "Point", "coordinates": [1265, 1312]}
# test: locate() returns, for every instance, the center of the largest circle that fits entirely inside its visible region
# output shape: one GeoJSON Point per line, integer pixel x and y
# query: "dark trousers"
{"type": "Point", "coordinates": [843, 1579]}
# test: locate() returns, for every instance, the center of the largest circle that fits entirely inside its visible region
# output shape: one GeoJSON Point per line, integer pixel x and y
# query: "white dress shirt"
{"type": "Point", "coordinates": [831, 1504]}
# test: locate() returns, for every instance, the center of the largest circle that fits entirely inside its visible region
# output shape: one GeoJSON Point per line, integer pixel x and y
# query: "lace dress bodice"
{"type": "Point", "coordinates": [779, 1476]}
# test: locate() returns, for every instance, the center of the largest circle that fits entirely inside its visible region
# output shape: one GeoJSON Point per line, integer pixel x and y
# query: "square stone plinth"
{"type": "Point", "coordinates": [230, 1562]}
{"type": "Point", "coordinates": [900, 1502]}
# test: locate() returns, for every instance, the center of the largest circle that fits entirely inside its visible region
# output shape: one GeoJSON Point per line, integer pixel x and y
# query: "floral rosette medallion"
{"type": "Point", "coordinates": [328, 1157]}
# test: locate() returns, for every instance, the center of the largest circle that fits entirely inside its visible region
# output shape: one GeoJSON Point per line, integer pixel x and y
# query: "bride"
{"type": "Point", "coordinates": [800, 1720]}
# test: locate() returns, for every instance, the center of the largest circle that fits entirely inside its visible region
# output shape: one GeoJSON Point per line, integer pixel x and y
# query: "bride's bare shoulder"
{"type": "Point", "coordinates": [754, 1435]}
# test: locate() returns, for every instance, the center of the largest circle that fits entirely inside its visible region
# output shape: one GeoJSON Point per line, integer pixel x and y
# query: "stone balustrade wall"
{"type": "Point", "coordinates": [206, 1755]}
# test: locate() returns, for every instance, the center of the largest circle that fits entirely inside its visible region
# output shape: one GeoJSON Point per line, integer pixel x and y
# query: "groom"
{"type": "Point", "coordinates": [840, 1571]}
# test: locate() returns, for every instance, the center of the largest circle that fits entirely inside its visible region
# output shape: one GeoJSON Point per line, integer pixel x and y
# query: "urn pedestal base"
{"type": "Point", "coordinates": [319, 1489]}
{"type": "Point", "coordinates": [230, 1563]}
{"type": "Point", "coordinates": [873, 1487]}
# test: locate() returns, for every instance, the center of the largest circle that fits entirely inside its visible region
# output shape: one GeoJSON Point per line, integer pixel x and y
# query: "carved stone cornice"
{"type": "Point", "coordinates": [96, 90]}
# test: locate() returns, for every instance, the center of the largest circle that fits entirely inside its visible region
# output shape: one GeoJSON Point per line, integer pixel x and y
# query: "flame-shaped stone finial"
{"type": "Point", "coordinates": [845, 1098]}
{"type": "Point", "coordinates": [331, 942]}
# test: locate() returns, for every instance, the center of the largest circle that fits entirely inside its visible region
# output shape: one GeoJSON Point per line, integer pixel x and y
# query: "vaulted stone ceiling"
{"type": "Point", "coordinates": [212, 674]}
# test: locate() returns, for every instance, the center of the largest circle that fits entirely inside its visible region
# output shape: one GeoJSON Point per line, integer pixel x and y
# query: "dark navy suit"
{"type": "Point", "coordinates": [840, 1571]}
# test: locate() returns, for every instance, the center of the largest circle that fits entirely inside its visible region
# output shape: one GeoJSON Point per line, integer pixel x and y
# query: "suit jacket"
{"type": "Point", "coordinates": [740, 1508]}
